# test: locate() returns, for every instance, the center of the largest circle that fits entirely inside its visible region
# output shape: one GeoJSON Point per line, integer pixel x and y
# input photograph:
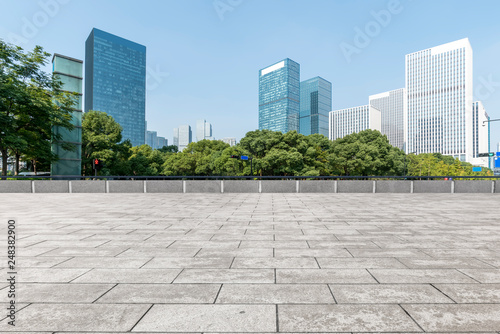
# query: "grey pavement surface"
{"type": "Point", "coordinates": [253, 263]}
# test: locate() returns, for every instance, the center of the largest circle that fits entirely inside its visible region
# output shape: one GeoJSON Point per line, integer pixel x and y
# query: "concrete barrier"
{"type": "Point", "coordinates": [125, 186]}
{"type": "Point", "coordinates": [276, 186]}
{"type": "Point", "coordinates": [497, 187]}
{"type": "Point", "coordinates": [355, 186]}
{"type": "Point", "coordinates": [474, 187]}
{"type": "Point", "coordinates": [203, 186]}
{"type": "Point", "coordinates": [15, 186]}
{"type": "Point", "coordinates": [164, 186]}
{"type": "Point", "coordinates": [393, 186]}
{"type": "Point", "coordinates": [89, 187]}
{"type": "Point", "coordinates": [53, 187]}
{"type": "Point", "coordinates": [432, 186]}
{"type": "Point", "coordinates": [329, 186]}
{"type": "Point", "coordinates": [241, 186]}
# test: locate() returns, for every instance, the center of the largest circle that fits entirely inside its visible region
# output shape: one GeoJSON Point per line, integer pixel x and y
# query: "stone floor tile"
{"type": "Point", "coordinates": [240, 252]}
{"type": "Point", "coordinates": [344, 318]}
{"type": "Point", "coordinates": [226, 276]}
{"type": "Point", "coordinates": [323, 276]}
{"type": "Point", "coordinates": [141, 252]}
{"type": "Point", "coordinates": [472, 293]}
{"type": "Point", "coordinates": [209, 318]}
{"type": "Point", "coordinates": [39, 261]}
{"type": "Point", "coordinates": [103, 262]}
{"type": "Point", "coordinates": [457, 317]}
{"type": "Point", "coordinates": [49, 275]}
{"type": "Point", "coordinates": [483, 275]}
{"type": "Point", "coordinates": [387, 294]}
{"type": "Point", "coordinates": [420, 276]}
{"type": "Point", "coordinates": [281, 262]}
{"type": "Point", "coordinates": [85, 251]}
{"type": "Point", "coordinates": [161, 294]}
{"type": "Point", "coordinates": [457, 263]}
{"type": "Point", "coordinates": [275, 294]}
{"type": "Point", "coordinates": [399, 253]}
{"type": "Point", "coordinates": [77, 317]}
{"type": "Point", "coordinates": [189, 262]}
{"type": "Point", "coordinates": [61, 293]}
{"type": "Point", "coordinates": [128, 276]}
{"type": "Point", "coordinates": [362, 263]}
{"type": "Point", "coordinates": [309, 252]}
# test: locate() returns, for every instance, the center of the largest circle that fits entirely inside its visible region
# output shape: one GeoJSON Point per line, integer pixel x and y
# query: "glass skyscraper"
{"type": "Point", "coordinates": [69, 71]}
{"type": "Point", "coordinates": [315, 104]}
{"type": "Point", "coordinates": [439, 97]}
{"type": "Point", "coordinates": [115, 82]}
{"type": "Point", "coordinates": [279, 96]}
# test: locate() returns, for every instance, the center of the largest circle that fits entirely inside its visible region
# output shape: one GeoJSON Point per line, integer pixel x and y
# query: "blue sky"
{"type": "Point", "coordinates": [203, 56]}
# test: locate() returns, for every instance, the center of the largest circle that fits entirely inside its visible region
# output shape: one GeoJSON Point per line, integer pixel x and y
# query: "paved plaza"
{"type": "Point", "coordinates": [253, 263]}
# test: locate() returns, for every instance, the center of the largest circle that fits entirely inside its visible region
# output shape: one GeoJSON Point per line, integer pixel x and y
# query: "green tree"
{"type": "Point", "coordinates": [31, 102]}
{"type": "Point", "coordinates": [100, 138]}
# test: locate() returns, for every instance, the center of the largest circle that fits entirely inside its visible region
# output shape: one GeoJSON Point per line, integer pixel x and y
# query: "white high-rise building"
{"type": "Point", "coordinates": [176, 137]}
{"type": "Point", "coordinates": [480, 134]}
{"type": "Point", "coordinates": [352, 120]}
{"type": "Point", "coordinates": [185, 136]}
{"type": "Point", "coordinates": [203, 130]}
{"type": "Point", "coordinates": [439, 94]}
{"type": "Point", "coordinates": [230, 140]}
{"type": "Point", "coordinates": [392, 106]}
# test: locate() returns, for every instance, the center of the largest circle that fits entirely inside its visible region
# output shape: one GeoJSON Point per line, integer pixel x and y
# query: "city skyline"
{"type": "Point", "coordinates": [357, 64]}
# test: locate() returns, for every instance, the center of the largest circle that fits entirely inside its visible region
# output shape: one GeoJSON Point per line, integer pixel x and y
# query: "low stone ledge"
{"type": "Point", "coordinates": [125, 186]}
{"type": "Point", "coordinates": [88, 187]}
{"type": "Point", "coordinates": [241, 186]}
{"type": "Point", "coordinates": [203, 186]}
{"type": "Point", "coordinates": [325, 186]}
{"type": "Point", "coordinates": [164, 186]}
{"type": "Point", "coordinates": [393, 186]}
{"type": "Point", "coordinates": [355, 186]}
{"type": "Point", "coordinates": [474, 187]}
{"type": "Point", "coordinates": [51, 187]}
{"type": "Point", "coordinates": [276, 186]}
{"type": "Point", "coordinates": [433, 187]}
{"type": "Point", "coordinates": [15, 186]}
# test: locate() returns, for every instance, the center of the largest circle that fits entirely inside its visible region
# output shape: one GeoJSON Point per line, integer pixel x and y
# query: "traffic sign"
{"type": "Point", "coordinates": [477, 169]}
{"type": "Point", "coordinates": [244, 157]}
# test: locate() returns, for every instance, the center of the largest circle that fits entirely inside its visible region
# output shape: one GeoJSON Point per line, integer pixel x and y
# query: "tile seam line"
{"type": "Point", "coordinates": [142, 317]}
{"type": "Point", "coordinates": [408, 314]}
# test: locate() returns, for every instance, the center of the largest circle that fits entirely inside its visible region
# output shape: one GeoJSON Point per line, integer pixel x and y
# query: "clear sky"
{"type": "Point", "coordinates": [203, 56]}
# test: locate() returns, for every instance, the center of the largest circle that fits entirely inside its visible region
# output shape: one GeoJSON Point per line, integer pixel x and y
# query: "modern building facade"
{"type": "Point", "coordinates": [162, 141]}
{"type": "Point", "coordinates": [115, 82]}
{"type": "Point", "coordinates": [230, 141]}
{"type": "Point", "coordinates": [176, 137]}
{"type": "Point", "coordinates": [185, 136]}
{"type": "Point", "coordinates": [439, 94]}
{"type": "Point", "coordinates": [70, 72]}
{"type": "Point", "coordinates": [353, 120]}
{"type": "Point", "coordinates": [393, 109]}
{"type": "Point", "coordinates": [315, 105]}
{"type": "Point", "coordinates": [152, 139]}
{"type": "Point", "coordinates": [480, 134]}
{"type": "Point", "coordinates": [279, 96]}
{"type": "Point", "coordinates": [203, 130]}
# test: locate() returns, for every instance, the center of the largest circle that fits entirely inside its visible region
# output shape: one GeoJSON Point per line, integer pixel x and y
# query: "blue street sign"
{"type": "Point", "coordinates": [244, 157]}
{"type": "Point", "coordinates": [497, 163]}
{"type": "Point", "coordinates": [498, 154]}
{"type": "Point", "coordinates": [477, 169]}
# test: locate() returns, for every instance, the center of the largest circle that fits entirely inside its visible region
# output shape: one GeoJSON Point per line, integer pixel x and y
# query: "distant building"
{"type": "Point", "coordinates": [162, 142]}
{"type": "Point", "coordinates": [315, 105]}
{"type": "Point", "coordinates": [498, 147]}
{"type": "Point", "coordinates": [439, 93]}
{"type": "Point", "coordinates": [70, 72]}
{"type": "Point", "coordinates": [115, 82]}
{"type": "Point", "coordinates": [352, 120]}
{"type": "Point", "coordinates": [185, 136]}
{"type": "Point", "coordinates": [279, 96]}
{"type": "Point", "coordinates": [230, 141]}
{"type": "Point", "coordinates": [152, 139]}
{"type": "Point", "coordinates": [176, 137]}
{"type": "Point", "coordinates": [203, 130]}
{"type": "Point", "coordinates": [392, 106]}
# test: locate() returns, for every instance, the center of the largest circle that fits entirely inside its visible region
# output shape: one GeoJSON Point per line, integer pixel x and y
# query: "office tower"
{"type": "Point", "coordinates": [185, 136]}
{"type": "Point", "coordinates": [392, 106]}
{"type": "Point", "coordinates": [498, 147]}
{"type": "Point", "coordinates": [176, 137]}
{"type": "Point", "coordinates": [352, 120]}
{"type": "Point", "coordinates": [162, 142]}
{"type": "Point", "coordinates": [115, 82]}
{"type": "Point", "coordinates": [203, 130]}
{"type": "Point", "coordinates": [70, 72]}
{"type": "Point", "coordinates": [230, 141]}
{"type": "Point", "coordinates": [439, 92]}
{"type": "Point", "coordinates": [279, 96]}
{"type": "Point", "coordinates": [152, 139]}
{"type": "Point", "coordinates": [480, 134]}
{"type": "Point", "coordinates": [315, 105]}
